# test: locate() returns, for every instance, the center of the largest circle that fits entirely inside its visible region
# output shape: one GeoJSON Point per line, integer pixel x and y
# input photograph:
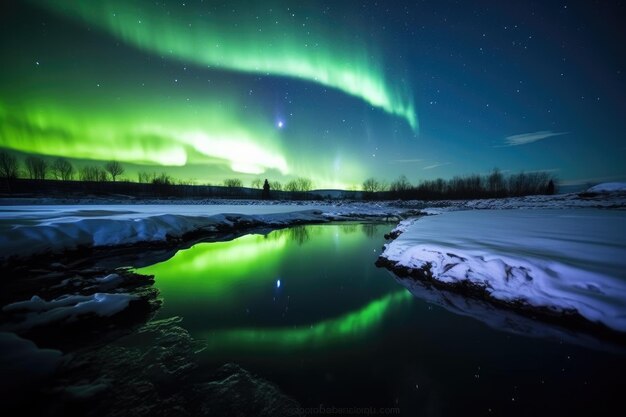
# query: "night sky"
{"type": "Point", "coordinates": [336, 91]}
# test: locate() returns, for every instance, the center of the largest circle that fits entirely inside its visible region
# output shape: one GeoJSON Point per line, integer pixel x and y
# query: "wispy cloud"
{"type": "Point", "coordinates": [437, 165]}
{"type": "Point", "coordinates": [526, 138]}
{"type": "Point", "coordinates": [407, 161]}
{"type": "Point", "coordinates": [547, 170]}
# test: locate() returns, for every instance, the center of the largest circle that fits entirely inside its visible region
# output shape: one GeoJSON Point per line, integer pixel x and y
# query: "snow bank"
{"type": "Point", "coordinates": [67, 308]}
{"type": "Point", "coordinates": [560, 259]}
{"type": "Point", "coordinates": [608, 187]}
{"type": "Point", "coordinates": [400, 228]}
{"type": "Point", "coordinates": [28, 230]}
{"type": "Point", "coordinates": [110, 281]}
{"type": "Point", "coordinates": [532, 202]}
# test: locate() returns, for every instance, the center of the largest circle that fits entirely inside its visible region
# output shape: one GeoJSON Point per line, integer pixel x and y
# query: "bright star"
{"type": "Point", "coordinates": [277, 283]}
{"type": "Point", "coordinates": [280, 124]}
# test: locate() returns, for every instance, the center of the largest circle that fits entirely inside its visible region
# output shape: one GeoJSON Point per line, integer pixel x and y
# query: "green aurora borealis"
{"type": "Point", "coordinates": [240, 43]}
{"type": "Point", "coordinates": [205, 90]}
{"type": "Point", "coordinates": [144, 133]}
{"type": "Point", "coordinates": [94, 104]}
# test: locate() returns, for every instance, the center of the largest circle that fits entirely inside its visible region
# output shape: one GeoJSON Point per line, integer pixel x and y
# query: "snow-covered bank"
{"type": "Point", "coordinates": [608, 200]}
{"type": "Point", "coordinates": [29, 230]}
{"type": "Point", "coordinates": [26, 230]}
{"type": "Point", "coordinates": [38, 312]}
{"type": "Point", "coordinates": [563, 260]}
{"type": "Point", "coordinates": [402, 227]}
{"type": "Point", "coordinates": [608, 187]}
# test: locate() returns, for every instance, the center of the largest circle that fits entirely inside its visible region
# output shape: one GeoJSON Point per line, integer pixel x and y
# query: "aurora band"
{"type": "Point", "coordinates": [255, 46]}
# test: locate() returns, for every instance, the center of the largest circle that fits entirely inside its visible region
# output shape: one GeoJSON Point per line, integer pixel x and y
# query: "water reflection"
{"type": "Point", "coordinates": [296, 234]}
{"type": "Point", "coordinates": [215, 269]}
{"type": "Point", "coordinates": [349, 228]}
{"type": "Point", "coordinates": [307, 285]}
{"type": "Point", "coordinates": [501, 319]}
{"type": "Point", "coordinates": [369, 229]}
{"type": "Point", "coordinates": [294, 276]}
{"type": "Point", "coordinates": [306, 308]}
{"type": "Point", "coordinates": [341, 329]}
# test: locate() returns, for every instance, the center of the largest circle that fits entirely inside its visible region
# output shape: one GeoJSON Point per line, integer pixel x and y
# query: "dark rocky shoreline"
{"type": "Point", "coordinates": [125, 364]}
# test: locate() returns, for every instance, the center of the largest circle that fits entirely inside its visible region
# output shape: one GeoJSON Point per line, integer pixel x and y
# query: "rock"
{"type": "Point", "coordinates": [155, 372]}
{"type": "Point", "coordinates": [236, 392]}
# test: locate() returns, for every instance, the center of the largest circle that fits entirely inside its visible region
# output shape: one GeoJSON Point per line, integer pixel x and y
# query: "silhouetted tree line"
{"type": "Point", "coordinates": [8, 166]}
{"type": "Point", "coordinates": [493, 185]}
{"type": "Point", "coordinates": [233, 183]}
{"type": "Point", "coordinates": [258, 184]}
{"type": "Point", "coordinates": [37, 168]}
{"type": "Point", "coordinates": [371, 187]}
{"type": "Point", "coordinates": [29, 175]}
{"type": "Point", "coordinates": [299, 185]}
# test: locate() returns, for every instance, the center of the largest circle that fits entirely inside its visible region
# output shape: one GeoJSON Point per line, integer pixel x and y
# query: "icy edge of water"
{"type": "Point", "coordinates": [68, 308]}
{"type": "Point", "coordinates": [35, 231]}
{"type": "Point", "coordinates": [556, 262]}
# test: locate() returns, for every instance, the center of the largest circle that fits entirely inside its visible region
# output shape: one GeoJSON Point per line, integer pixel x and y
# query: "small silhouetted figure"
{"type": "Point", "coordinates": [550, 188]}
{"type": "Point", "coordinates": [266, 190]}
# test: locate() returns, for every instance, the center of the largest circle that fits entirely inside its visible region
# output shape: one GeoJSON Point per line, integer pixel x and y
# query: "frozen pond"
{"type": "Point", "coordinates": [306, 308]}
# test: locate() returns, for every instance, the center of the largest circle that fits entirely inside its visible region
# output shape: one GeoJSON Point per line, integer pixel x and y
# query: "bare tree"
{"type": "Point", "coordinates": [372, 185]}
{"type": "Point", "coordinates": [299, 184]}
{"type": "Point", "coordinates": [92, 173]}
{"type": "Point", "coordinates": [304, 184]}
{"type": "Point", "coordinates": [496, 184]}
{"type": "Point", "coordinates": [162, 179]}
{"type": "Point", "coordinates": [276, 186]}
{"type": "Point", "coordinates": [88, 173]}
{"type": "Point", "coordinates": [146, 177]}
{"type": "Point", "coordinates": [291, 186]}
{"type": "Point", "coordinates": [36, 167]}
{"type": "Point", "coordinates": [30, 163]}
{"type": "Point", "coordinates": [8, 166]}
{"type": "Point", "coordinates": [62, 170]}
{"type": "Point", "coordinates": [402, 184]}
{"type": "Point", "coordinates": [233, 182]}
{"type": "Point", "coordinates": [256, 183]}
{"type": "Point", "coordinates": [114, 168]}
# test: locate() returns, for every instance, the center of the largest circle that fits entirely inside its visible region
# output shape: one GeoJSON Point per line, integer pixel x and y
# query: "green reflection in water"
{"type": "Point", "coordinates": [303, 287]}
{"type": "Point", "coordinates": [220, 269]}
{"type": "Point", "coordinates": [344, 328]}
{"type": "Point", "coordinates": [215, 270]}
